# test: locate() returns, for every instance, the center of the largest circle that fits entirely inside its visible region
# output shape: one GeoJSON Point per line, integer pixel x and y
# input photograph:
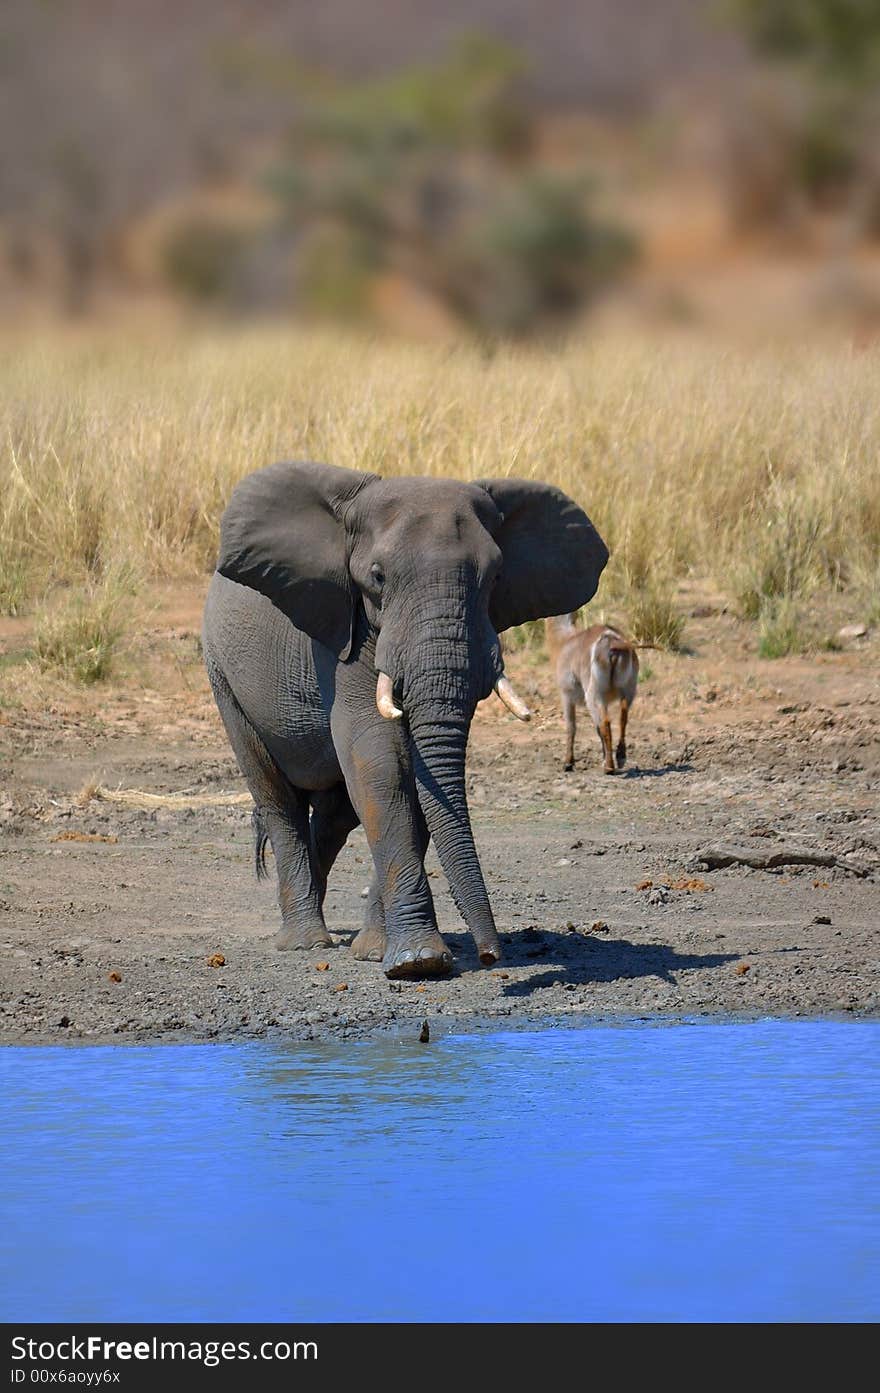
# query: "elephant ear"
{"type": "Point", "coordinates": [552, 554]}
{"type": "Point", "coordinates": [283, 534]}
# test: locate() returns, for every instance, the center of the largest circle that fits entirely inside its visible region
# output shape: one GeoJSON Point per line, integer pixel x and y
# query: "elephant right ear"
{"type": "Point", "coordinates": [283, 534]}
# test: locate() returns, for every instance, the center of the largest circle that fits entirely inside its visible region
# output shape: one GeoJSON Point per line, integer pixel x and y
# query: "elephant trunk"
{"type": "Point", "coordinates": [438, 748]}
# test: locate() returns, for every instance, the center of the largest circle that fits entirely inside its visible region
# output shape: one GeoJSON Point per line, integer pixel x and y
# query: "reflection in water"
{"type": "Point", "coordinates": [626, 1171]}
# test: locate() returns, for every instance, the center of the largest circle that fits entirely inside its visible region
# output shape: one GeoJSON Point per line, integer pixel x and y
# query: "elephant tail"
{"type": "Point", "coordinates": [261, 837]}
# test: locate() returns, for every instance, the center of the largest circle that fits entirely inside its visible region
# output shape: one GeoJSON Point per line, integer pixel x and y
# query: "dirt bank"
{"type": "Point", "coordinates": [114, 909]}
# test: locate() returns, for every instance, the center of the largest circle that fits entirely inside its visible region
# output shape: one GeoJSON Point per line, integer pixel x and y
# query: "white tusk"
{"type": "Point", "coordinates": [513, 702]}
{"type": "Point", "coordinates": [385, 698]}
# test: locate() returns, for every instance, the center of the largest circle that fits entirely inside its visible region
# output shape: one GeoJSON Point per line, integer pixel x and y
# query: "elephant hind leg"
{"type": "Point", "coordinates": [281, 816]}
{"type": "Point", "coordinates": [333, 817]}
{"type": "Point", "coordinates": [261, 838]}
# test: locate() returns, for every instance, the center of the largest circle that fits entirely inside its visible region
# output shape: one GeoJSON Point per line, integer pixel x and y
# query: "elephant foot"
{"type": "Point", "coordinates": [423, 956]}
{"type": "Point", "coordinates": [291, 937]}
{"type": "Point", "coordinates": [370, 944]}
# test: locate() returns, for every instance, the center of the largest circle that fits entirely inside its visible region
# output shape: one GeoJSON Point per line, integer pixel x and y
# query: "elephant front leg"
{"type": "Point", "coordinates": [382, 789]}
{"type": "Point", "coordinates": [371, 942]}
{"type": "Point", "coordinates": [413, 944]}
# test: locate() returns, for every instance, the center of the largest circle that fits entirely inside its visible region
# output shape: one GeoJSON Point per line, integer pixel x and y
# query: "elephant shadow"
{"type": "Point", "coordinates": [635, 772]}
{"type": "Point", "coordinates": [580, 960]}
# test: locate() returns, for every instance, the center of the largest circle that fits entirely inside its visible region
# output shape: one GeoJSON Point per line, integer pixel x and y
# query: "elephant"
{"type": "Point", "coordinates": [350, 629]}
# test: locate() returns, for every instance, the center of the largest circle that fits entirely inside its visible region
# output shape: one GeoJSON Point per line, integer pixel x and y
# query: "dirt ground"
{"type": "Point", "coordinates": [129, 911]}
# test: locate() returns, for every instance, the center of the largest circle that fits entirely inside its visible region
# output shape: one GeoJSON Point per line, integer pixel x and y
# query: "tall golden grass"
{"type": "Point", "coordinates": [760, 470]}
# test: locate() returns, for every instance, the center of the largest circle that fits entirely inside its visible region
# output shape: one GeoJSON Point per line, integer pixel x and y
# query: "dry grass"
{"type": "Point", "coordinates": [140, 798]}
{"type": "Point", "coordinates": [759, 471]}
{"type": "Point", "coordinates": [653, 618]}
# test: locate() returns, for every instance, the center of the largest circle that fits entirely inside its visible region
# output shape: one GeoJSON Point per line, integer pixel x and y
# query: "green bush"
{"type": "Point", "coordinates": [653, 618]}
{"type": "Point", "coordinates": [531, 255]}
{"type": "Point", "coordinates": [784, 557]}
{"type": "Point", "coordinates": [827, 53]}
{"type": "Point", "coordinates": [524, 636]}
{"type": "Point", "coordinates": [334, 273]}
{"type": "Point", "coordinates": [780, 629]}
{"type": "Point", "coordinates": [14, 582]}
{"type": "Point", "coordinates": [203, 259]}
{"type": "Point", "coordinates": [79, 637]}
{"type": "Point", "coordinates": [429, 174]}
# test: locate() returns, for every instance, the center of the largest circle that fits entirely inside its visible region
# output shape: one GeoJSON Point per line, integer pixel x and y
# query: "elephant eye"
{"type": "Point", "coordinates": [378, 574]}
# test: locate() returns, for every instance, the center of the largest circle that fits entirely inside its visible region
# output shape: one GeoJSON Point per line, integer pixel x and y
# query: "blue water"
{"type": "Point", "coordinates": [631, 1171]}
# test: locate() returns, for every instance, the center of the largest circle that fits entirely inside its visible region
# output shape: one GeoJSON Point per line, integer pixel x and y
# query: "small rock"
{"type": "Point", "coordinates": [424, 1033]}
{"type": "Point", "coordinates": [852, 631]}
{"type": "Point", "coordinates": [64, 1022]}
{"type": "Point", "coordinates": [341, 987]}
{"type": "Point", "coordinates": [742, 968]}
{"type": "Point", "coordinates": [216, 960]}
{"type": "Point", "coordinates": [598, 926]}
{"type": "Point", "coordinates": [659, 895]}
{"type": "Point", "coordinates": [821, 918]}
{"type": "Point", "coordinates": [563, 861]}
{"type": "Point", "coordinates": [322, 967]}
{"type": "Point", "coordinates": [114, 977]}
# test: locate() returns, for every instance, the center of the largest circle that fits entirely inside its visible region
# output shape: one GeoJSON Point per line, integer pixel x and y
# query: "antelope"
{"type": "Point", "coordinates": [595, 667]}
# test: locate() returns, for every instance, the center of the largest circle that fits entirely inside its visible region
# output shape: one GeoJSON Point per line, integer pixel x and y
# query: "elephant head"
{"type": "Point", "coordinates": [418, 576]}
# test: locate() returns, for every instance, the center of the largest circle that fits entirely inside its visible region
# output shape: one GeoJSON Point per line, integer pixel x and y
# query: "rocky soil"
{"type": "Point", "coordinates": [733, 868]}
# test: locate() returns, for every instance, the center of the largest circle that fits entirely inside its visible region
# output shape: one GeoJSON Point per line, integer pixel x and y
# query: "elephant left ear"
{"type": "Point", "coordinates": [553, 555]}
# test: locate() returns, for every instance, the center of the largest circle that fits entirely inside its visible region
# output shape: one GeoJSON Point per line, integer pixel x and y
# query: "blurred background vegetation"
{"type": "Point", "coordinates": [429, 175]}
{"type": "Point", "coordinates": [628, 246]}
{"type": "Point", "coordinates": [489, 168]}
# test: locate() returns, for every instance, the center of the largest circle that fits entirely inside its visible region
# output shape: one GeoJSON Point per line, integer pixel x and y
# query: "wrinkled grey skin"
{"type": "Point", "coordinates": [328, 576]}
